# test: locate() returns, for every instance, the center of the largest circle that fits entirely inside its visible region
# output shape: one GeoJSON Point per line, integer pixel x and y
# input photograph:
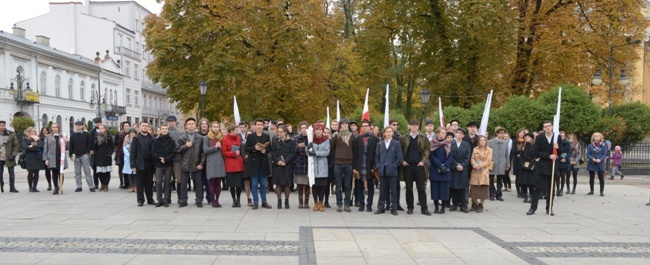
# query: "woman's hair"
{"type": "Point", "coordinates": [283, 127]}
{"type": "Point", "coordinates": [47, 129]}
{"type": "Point", "coordinates": [127, 139]}
{"type": "Point", "coordinates": [594, 136]}
{"type": "Point", "coordinates": [439, 129]}
{"type": "Point", "coordinates": [232, 128]}
{"type": "Point", "coordinates": [29, 129]}
{"type": "Point", "coordinates": [478, 141]}
{"type": "Point", "coordinates": [521, 130]}
{"type": "Point", "coordinates": [52, 127]}
{"type": "Point", "coordinates": [385, 129]}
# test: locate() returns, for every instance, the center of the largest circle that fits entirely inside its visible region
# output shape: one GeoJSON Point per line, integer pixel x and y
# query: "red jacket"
{"type": "Point", "coordinates": [233, 163]}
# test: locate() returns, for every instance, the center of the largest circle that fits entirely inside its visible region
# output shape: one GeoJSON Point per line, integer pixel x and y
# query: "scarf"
{"type": "Point", "coordinates": [101, 138]}
{"type": "Point", "coordinates": [320, 140]}
{"type": "Point", "coordinates": [597, 143]}
{"type": "Point", "coordinates": [213, 136]}
{"type": "Point", "coordinates": [345, 136]}
{"type": "Point", "coordinates": [435, 144]}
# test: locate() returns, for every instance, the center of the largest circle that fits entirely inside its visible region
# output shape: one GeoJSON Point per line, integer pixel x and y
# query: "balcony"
{"type": "Point", "coordinates": [116, 110]}
{"type": "Point", "coordinates": [148, 84]}
{"type": "Point", "coordinates": [128, 53]}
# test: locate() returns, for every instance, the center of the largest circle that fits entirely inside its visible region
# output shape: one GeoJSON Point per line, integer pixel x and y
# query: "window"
{"type": "Point", "coordinates": [119, 42]}
{"type": "Point", "coordinates": [115, 97]}
{"type": "Point", "coordinates": [128, 96]}
{"type": "Point", "coordinates": [43, 85]}
{"type": "Point", "coordinates": [136, 71]}
{"type": "Point", "coordinates": [70, 88]}
{"type": "Point", "coordinates": [127, 69]}
{"type": "Point", "coordinates": [128, 43]}
{"type": "Point", "coordinates": [111, 95]}
{"type": "Point", "coordinates": [137, 98]}
{"type": "Point", "coordinates": [138, 26]}
{"type": "Point", "coordinates": [93, 93]}
{"type": "Point", "coordinates": [137, 46]}
{"type": "Point", "coordinates": [82, 91]}
{"type": "Point", "coordinates": [57, 86]}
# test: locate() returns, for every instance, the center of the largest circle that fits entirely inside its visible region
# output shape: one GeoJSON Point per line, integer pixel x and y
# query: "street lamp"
{"type": "Point", "coordinates": [425, 101]}
{"type": "Point", "coordinates": [203, 88]}
{"type": "Point", "coordinates": [623, 80]}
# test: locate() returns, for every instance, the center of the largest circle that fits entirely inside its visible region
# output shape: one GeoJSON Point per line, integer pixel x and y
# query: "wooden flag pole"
{"type": "Point", "coordinates": [550, 208]}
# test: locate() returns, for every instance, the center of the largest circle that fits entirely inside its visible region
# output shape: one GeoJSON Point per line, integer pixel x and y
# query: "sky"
{"type": "Point", "coordinates": [12, 11]}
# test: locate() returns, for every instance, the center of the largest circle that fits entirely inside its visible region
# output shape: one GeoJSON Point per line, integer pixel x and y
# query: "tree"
{"type": "Point", "coordinates": [579, 114]}
{"type": "Point", "coordinates": [636, 117]}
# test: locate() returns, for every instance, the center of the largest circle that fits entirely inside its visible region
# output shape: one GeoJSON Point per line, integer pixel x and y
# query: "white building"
{"type": "Point", "coordinates": [116, 26]}
{"type": "Point", "coordinates": [47, 84]}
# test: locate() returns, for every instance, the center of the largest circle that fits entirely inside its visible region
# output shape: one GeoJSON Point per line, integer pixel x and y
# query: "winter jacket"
{"type": "Point", "coordinates": [214, 163]}
{"type": "Point", "coordinates": [233, 162]}
{"type": "Point", "coordinates": [165, 147]}
{"type": "Point", "coordinates": [191, 157]}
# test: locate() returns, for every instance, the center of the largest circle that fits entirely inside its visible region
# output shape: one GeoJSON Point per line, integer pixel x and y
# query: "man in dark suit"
{"type": "Point", "coordinates": [364, 162]}
{"type": "Point", "coordinates": [415, 151]}
{"type": "Point", "coordinates": [543, 148]}
{"type": "Point", "coordinates": [461, 152]}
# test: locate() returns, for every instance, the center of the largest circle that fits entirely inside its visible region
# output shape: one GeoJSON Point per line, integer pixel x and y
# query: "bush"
{"type": "Point", "coordinates": [519, 112]}
{"type": "Point", "coordinates": [613, 129]}
{"type": "Point", "coordinates": [578, 114]}
{"type": "Point", "coordinates": [20, 124]}
{"type": "Point", "coordinates": [637, 118]}
{"type": "Point", "coordinates": [376, 118]}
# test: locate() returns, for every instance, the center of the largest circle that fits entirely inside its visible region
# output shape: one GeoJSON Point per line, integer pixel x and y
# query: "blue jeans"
{"type": "Point", "coordinates": [343, 178]}
{"type": "Point", "coordinates": [260, 180]}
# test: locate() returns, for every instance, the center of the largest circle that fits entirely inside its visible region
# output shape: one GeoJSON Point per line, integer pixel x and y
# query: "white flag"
{"type": "Point", "coordinates": [236, 110]}
{"type": "Point", "coordinates": [327, 124]}
{"type": "Point", "coordinates": [310, 159]}
{"type": "Point", "coordinates": [338, 112]}
{"type": "Point", "coordinates": [556, 118]}
{"type": "Point", "coordinates": [386, 113]}
{"type": "Point", "coordinates": [442, 117]}
{"type": "Point", "coordinates": [486, 115]}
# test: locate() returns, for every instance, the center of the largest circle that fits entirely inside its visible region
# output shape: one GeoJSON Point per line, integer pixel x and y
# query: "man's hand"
{"type": "Point", "coordinates": [404, 163]}
{"type": "Point", "coordinates": [354, 171]}
{"type": "Point", "coordinates": [47, 163]}
{"type": "Point", "coordinates": [281, 163]}
{"type": "Point", "coordinates": [162, 160]}
{"type": "Point", "coordinates": [263, 151]}
{"type": "Point", "coordinates": [189, 143]}
{"type": "Point", "coordinates": [134, 169]}
{"type": "Point", "coordinates": [507, 167]}
{"type": "Point", "coordinates": [199, 167]}
{"type": "Point", "coordinates": [421, 164]}
{"type": "Point", "coordinates": [92, 152]}
{"type": "Point", "coordinates": [459, 168]}
{"type": "Point", "coordinates": [553, 157]}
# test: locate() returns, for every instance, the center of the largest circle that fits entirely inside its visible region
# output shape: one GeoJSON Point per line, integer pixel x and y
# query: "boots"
{"type": "Point", "coordinates": [591, 192]}
{"type": "Point", "coordinates": [327, 203]}
{"type": "Point", "coordinates": [35, 184]}
{"type": "Point", "coordinates": [300, 204]}
{"type": "Point", "coordinates": [279, 203]}
{"type": "Point", "coordinates": [316, 206]}
{"type": "Point", "coordinates": [480, 208]}
{"type": "Point", "coordinates": [559, 193]}
{"type": "Point", "coordinates": [525, 198]}
{"type": "Point", "coordinates": [473, 208]}
{"type": "Point", "coordinates": [286, 203]}
{"type": "Point", "coordinates": [573, 191]}
{"type": "Point", "coordinates": [463, 208]}
{"type": "Point", "coordinates": [306, 205]}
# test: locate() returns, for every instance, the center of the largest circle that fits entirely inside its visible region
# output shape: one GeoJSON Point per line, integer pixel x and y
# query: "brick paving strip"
{"type": "Point", "coordinates": [148, 246]}
{"type": "Point", "coordinates": [585, 249]}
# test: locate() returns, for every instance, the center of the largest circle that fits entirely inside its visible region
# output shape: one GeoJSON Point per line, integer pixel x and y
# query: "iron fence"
{"type": "Point", "coordinates": [634, 154]}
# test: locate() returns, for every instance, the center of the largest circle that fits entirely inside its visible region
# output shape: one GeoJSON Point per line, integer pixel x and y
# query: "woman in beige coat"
{"type": "Point", "coordinates": [480, 177]}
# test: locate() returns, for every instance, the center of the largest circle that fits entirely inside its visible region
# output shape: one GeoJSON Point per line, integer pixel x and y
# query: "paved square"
{"type": "Point", "coordinates": [109, 228]}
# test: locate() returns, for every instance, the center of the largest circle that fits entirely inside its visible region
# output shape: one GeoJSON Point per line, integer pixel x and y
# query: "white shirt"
{"type": "Point", "coordinates": [430, 137]}
{"type": "Point", "coordinates": [387, 143]}
{"type": "Point", "coordinates": [458, 143]}
{"type": "Point", "coordinates": [549, 138]}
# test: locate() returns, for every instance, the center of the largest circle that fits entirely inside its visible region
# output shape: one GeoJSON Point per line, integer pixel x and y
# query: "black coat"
{"type": "Point", "coordinates": [165, 147]}
{"type": "Point", "coordinates": [141, 151]}
{"type": "Point", "coordinates": [283, 151]}
{"type": "Point", "coordinates": [33, 157]}
{"type": "Point", "coordinates": [515, 158]}
{"type": "Point", "coordinates": [462, 156]}
{"type": "Point", "coordinates": [103, 152]}
{"type": "Point", "coordinates": [527, 175]}
{"type": "Point", "coordinates": [370, 155]}
{"type": "Point", "coordinates": [565, 146]}
{"type": "Point", "coordinates": [544, 150]}
{"type": "Point", "coordinates": [255, 158]}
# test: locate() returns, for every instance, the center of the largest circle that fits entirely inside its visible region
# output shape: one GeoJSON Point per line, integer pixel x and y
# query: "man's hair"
{"type": "Point", "coordinates": [259, 120]}
{"type": "Point", "coordinates": [365, 121]}
{"type": "Point", "coordinates": [547, 121]}
{"type": "Point", "coordinates": [163, 125]}
{"type": "Point", "coordinates": [3, 122]}
{"type": "Point", "coordinates": [144, 121]}
{"type": "Point", "coordinates": [392, 120]}
{"type": "Point", "coordinates": [302, 123]}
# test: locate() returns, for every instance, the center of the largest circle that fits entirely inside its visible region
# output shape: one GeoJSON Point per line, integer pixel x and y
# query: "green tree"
{"type": "Point", "coordinates": [637, 120]}
{"type": "Point", "coordinates": [579, 114]}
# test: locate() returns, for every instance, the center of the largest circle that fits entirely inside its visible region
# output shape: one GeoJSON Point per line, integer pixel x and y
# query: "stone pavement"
{"type": "Point", "coordinates": [109, 228]}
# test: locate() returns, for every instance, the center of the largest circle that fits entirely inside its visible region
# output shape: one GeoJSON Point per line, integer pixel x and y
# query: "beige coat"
{"type": "Point", "coordinates": [481, 177]}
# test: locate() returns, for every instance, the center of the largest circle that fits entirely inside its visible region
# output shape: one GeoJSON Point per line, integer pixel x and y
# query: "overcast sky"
{"type": "Point", "coordinates": [13, 11]}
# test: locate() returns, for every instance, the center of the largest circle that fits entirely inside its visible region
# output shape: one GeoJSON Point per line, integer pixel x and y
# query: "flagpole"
{"type": "Point", "coordinates": [327, 125]}
{"type": "Point", "coordinates": [442, 117]}
{"type": "Point", "coordinates": [386, 112]}
{"type": "Point", "coordinates": [556, 134]}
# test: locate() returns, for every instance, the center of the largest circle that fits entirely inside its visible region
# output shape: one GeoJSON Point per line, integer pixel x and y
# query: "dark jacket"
{"type": "Point", "coordinates": [80, 144]}
{"type": "Point", "coordinates": [140, 151]}
{"type": "Point", "coordinates": [11, 148]}
{"type": "Point", "coordinates": [300, 167]}
{"type": "Point", "coordinates": [438, 158]}
{"type": "Point", "coordinates": [191, 157]}
{"type": "Point", "coordinates": [461, 157]}
{"type": "Point", "coordinates": [283, 150]}
{"type": "Point", "coordinates": [527, 165]}
{"type": "Point", "coordinates": [566, 155]}
{"type": "Point", "coordinates": [423, 148]}
{"type": "Point", "coordinates": [544, 151]}
{"type": "Point", "coordinates": [388, 160]}
{"type": "Point", "coordinates": [359, 149]}
{"type": "Point", "coordinates": [515, 157]}
{"type": "Point", "coordinates": [255, 158]}
{"type": "Point", "coordinates": [343, 152]}
{"type": "Point", "coordinates": [165, 147]}
{"type": "Point", "coordinates": [103, 152]}
{"type": "Point", "coordinates": [33, 157]}
{"type": "Point", "coordinates": [119, 143]}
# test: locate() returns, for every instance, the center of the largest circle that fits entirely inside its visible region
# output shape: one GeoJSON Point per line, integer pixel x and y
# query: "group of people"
{"type": "Point", "coordinates": [463, 169]}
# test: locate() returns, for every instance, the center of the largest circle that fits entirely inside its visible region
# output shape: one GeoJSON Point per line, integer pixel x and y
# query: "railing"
{"type": "Point", "coordinates": [127, 52]}
{"type": "Point", "coordinates": [118, 110]}
{"type": "Point", "coordinates": [634, 154]}
{"type": "Point", "coordinates": [148, 84]}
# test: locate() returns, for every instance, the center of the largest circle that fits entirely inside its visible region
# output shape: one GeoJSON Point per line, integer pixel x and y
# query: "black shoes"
{"type": "Point", "coordinates": [78, 190]}
{"type": "Point", "coordinates": [199, 205]}
{"type": "Point", "coordinates": [286, 204]}
{"type": "Point", "coordinates": [255, 206]}
{"type": "Point", "coordinates": [530, 212]}
{"type": "Point", "coordinates": [347, 209]}
{"type": "Point", "coordinates": [399, 208]}
{"type": "Point", "coordinates": [151, 203]}
{"type": "Point", "coordinates": [499, 199]}
{"type": "Point", "coordinates": [442, 210]}
{"type": "Point", "coordinates": [279, 203]}
{"type": "Point", "coordinates": [436, 210]}
{"type": "Point", "coordinates": [234, 203]}
{"type": "Point", "coordinates": [55, 192]}
{"type": "Point", "coordinates": [92, 190]}
{"type": "Point", "coordinates": [394, 212]}
{"type": "Point", "coordinates": [464, 209]}
{"type": "Point", "coordinates": [181, 205]}
{"type": "Point", "coordinates": [166, 204]}
{"type": "Point", "coordinates": [140, 204]}
{"type": "Point", "coordinates": [158, 204]}
{"type": "Point", "coordinates": [49, 187]}
{"type": "Point", "coordinates": [327, 205]}
{"type": "Point", "coordinates": [13, 190]}
{"type": "Point", "coordinates": [559, 193]}
{"type": "Point", "coordinates": [453, 208]}
{"type": "Point", "coordinates": [362, 208]}
{"type": "Point", "coordinates": [266, 205]}
{"type": "Point", "coordinates": [409, 211]}
{"type": "Point", "coordinates": [552, 214]}
{"type": "Point", "coordinates": [591, 193]}
{"type": "Point", "coordinates": [368, 208]}
{"type": "Point", "coordinates": [426, 212]}
{"type": "Point", "coordinates": [602, 194]}
{"type": "Point", "coordinates": [380, 212]}
{"type": "Point", "coordinates": [338, 209]}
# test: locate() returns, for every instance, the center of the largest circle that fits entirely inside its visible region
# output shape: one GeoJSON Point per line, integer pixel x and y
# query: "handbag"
{"type": "Point", "coordinates": [491, 167]}
{"type": "Point", "coordinates": [21, 161]}
{"type": "Point", "coordinates": [375, 173]}
{"type": "Point", "coordinates": [581, 161]}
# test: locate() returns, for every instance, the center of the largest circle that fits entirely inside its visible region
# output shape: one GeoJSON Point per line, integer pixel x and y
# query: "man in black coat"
{"type": "Point", "coordinates": [258, 145]}
{"type": "Point", "coordinates": [415, 151]}
{"type": "Point", "coordinates": [142, 163]}
{"type": "Point", "coordinates": [462, 153]}
{"type": "Point", "coordinates": [93, 135]}
{"type": "Point", "coordinates": [364, 162]}
{"type": "Point", "coordinates": [543, 147]}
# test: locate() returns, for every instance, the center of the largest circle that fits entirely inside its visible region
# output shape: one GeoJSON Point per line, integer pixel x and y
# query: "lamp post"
{"type": "Point", "coordinates": [99, 106]}
{"type": "Point", "coordinates": [22, 91]}
{"type": "Point", "coordinates": [203, 88]}
{"type": "Point", "coordinates": [623, 80]}
{"type": "Point", "coordinates": [425, 101]}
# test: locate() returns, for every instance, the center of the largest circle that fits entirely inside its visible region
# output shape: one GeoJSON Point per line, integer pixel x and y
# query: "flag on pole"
{"type": "Point", "coordinates": [365, 115]}
{"type": "Point", "coordinates": [386, 114]}
{"type": "Point", "coordinates": [556, 120]}
{"type": "Point", "coordinates": [236, 111]}
{"type": "Point", "coordinates": [442, 117]}
{"type": "Point", "coordinates": [310, 159]}
{"type": "Point", "coordinates": [338, 112]}
{"type": "Point", "coordinates": [327, 125]}
{"type": "Point", "coordinates": [486, 115]}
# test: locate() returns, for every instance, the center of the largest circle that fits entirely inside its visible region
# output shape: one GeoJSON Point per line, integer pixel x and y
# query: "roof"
{"type": "Point", "coordinates": [11, 38]}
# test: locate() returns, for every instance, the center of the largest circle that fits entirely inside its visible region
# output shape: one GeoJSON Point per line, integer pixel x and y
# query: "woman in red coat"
{"type": "Point", "coordinates": [231, 150]}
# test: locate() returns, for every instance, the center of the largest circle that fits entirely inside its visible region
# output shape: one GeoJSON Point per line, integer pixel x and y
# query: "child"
{"type": "Point", "coordinates": [617, 156]}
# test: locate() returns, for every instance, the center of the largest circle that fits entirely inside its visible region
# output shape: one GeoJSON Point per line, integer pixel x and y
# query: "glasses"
{"type": "Point", "coordinates": [365, 126]}
{"type": "Point", "coordinates": [394, 124]}
{"type": "Point", "coordinates": [548, 125]}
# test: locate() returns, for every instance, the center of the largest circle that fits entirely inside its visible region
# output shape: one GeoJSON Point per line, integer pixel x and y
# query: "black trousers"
{"type": "Point", "coordinates": [388, 185]}
{"type": "Point", "coordinates": [601, 179]}
{"type": "Point", "coordinates": [144, 179]}
{"type": "Point", "coordinates": [507, 182]}
{"type": "Point", "coordinates": [542, 186]}
{"type": "Point", "coordinates": [458, 197]}
{"type": "Point", "coordinates": [12, 175]}
{"type": "Point", "coordinates": [358, 190]}
{"type": "Point", "coordinates": [414, 173]}
{"type": "Point", "coordinates": [499, 181]}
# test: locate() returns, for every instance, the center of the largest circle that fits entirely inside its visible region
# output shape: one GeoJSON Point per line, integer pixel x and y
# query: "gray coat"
{"type": "Point", "coordinates": [176, 133]}
{"type": "Point", "coordinates": [320, 161]}
{"type": "Point", "coordinates": [49, 151]}
{"type": "Point", "coordinates": [500, 156]}
{"type": "Point", "coordinates": [461, 156]}
{"type": "Point", "coordinates": [191, 157]}
{"type": "Point", "coordinates": [214, 164]}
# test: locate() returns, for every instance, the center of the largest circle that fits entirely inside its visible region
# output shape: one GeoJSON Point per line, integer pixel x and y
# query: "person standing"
{"type": "Point", "coordinates": [343, 143]}
{"type": "Point", "coordinates": [576, 158]}
{"type": "Point", "coordinates": [501, 160]}
{"type": "Point", "coordinates": [103, 147]}
{"type": "Point", "coordinates": [319, 149]}
{"type": "Point", "coordinates": [175, 133]}
{"type": "Point", "coordinates": [439, 173]}
{"type": "Point", "coordinates": [258, 145]}
{"type": "Point", "coordinates": [142, 164]}
{"type": "Point", "coordinates": [52, 155]}
{"type": "Point", "coordinates": [544, 146]}
{"type": "Point", "coordinates": [33, 159]}
{"type": "Point", "coordinates": [163, 151]}
{"type": "Point", "coordinates": [564, 164]}
{"type": "Point", "coordinates": [119, 153]}
{"type": "Point", "coordinates": [8, 154]}
{"type": "Point", "coordinates": [126, 170]}
{"type": "Point", "coordinates": [388, 157]}
{"type": "Point", "coordinates": [190, 146]}
{"type": "Point", "coordinates": [617, 158]}
{"type": "Point", "coordinates": [203, 129]}
{"type": "Point", "coordinates": [45, 131]}
{"type": "Point", "coordinates": [215, 170]}
{"type": "Point", "coordinates": [364, 164]}
{"type": "Point", "coordinates": [234, 164]}
{"type": "Point", "coordinates": [515, 158]}
{"type": "Point", "coordinates": [93, 134]}
{"type": "Point", "coordinates": [526, 175]}
{"type": "Point", "coordinates": [461, 153]}
{"type": "Point", "coordinates": [480, 177]}
{"type": "Point", "coordinates": [300, 168]}
{"type": "Point", "coordinates": [596, 156]}
{"type": "Point", "coordinates": [284, 153]}
{"type": "Point", "coordinates": [415, 151]}
{"type": "Point", "coordinates": [80, 145]}
{"type": "Point", "coordinates": [397, 136]}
